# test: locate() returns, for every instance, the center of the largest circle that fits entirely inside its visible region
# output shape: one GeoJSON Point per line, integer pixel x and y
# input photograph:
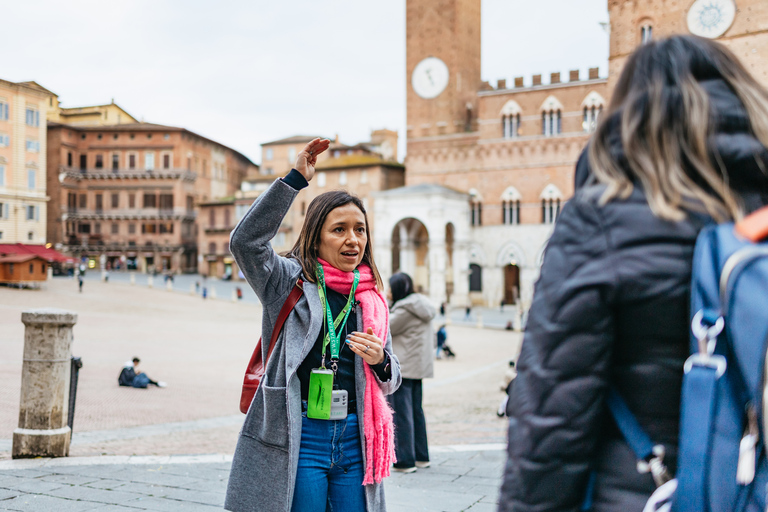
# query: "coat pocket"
{"type": "Point", "coordinates": [269, 423]}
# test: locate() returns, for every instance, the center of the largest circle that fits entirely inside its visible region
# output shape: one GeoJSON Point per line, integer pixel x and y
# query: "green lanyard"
{"type": "Point", "coordinates": [332, 336]}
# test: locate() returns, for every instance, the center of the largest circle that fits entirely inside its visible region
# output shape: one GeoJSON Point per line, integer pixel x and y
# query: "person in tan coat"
{"type": "Point", "coordinates": [413, 342]}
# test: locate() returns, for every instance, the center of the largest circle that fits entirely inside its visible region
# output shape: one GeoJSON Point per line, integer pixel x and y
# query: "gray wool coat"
{"type": "Point", "coordinates": [266, 458]}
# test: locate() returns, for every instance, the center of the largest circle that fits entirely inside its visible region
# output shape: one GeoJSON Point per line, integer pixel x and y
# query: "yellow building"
{"type": "Point", "coordinates": [23, 108]}
{"type": "Point", "coordinates": [96, 115]}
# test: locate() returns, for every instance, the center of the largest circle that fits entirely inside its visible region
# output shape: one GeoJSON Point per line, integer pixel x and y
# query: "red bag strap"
{"type": "Point", "coordinates": [754, 227]}
{"type": "Point", "coordinates": [290, 302]}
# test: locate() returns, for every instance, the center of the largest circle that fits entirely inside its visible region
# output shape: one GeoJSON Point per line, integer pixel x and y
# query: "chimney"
{"type": "Point", "coordinates": [574, 75]}
{"type": "Point", "coordinates": [336, 139]}
{"type": "Point", "coordinates": [518, 81]}
{"type": "Point", "coordinates": [501, 83]}
{"type": "Point", "coordinates": [594, 73]}
{"type": "Point", "coordinates": [536, 79]}
{"type": "Point", "coordinates": [554, 78]}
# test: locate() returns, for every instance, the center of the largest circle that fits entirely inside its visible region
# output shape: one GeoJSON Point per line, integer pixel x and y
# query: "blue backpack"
{"type": "Point", "coordinates": [721, 463]}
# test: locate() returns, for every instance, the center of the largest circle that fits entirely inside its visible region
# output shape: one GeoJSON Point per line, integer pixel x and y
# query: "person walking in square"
{"type": "Point", "coordinates": [413, 341]}
{"type": "Point", "coordinates": [682, 145]}
{"type": "Point", "coordinates": [336, 342]}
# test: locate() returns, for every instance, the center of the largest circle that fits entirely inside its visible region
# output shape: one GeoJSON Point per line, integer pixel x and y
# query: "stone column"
{"type": "Point", "coordinates": [43, 430]}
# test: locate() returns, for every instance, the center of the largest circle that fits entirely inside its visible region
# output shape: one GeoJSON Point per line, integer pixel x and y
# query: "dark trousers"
{"type": "Point", "coordinates": [410, 425]}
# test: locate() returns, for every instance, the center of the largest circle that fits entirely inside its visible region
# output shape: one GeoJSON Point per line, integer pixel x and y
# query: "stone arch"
{"type": "Point", "coordinates": [410, 251]}
{"type": "Point", "coordinates": [593, 99]}
{"type": "Point", "coordinates": [476, 254]}
{"type": "Point", "coordinates": [551, 192]}
{"type": "Point", "coordinates": [511, 194]}
{"type": "Point", "coordinates": [552, 103]}
{"type": "Point", "coordinates": [511, 108]}
{"type": "Point", "coordinates": [511, 252]}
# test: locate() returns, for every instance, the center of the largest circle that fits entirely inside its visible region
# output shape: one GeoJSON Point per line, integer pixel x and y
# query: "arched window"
{"type": "Point", "coordinates": [510, 206]}
{"type": "Point", "coordinates": [551, 198]}
{"type": "Point", "coordinates": [646, 33]}
{"type": "Point", "coordinates": [593, 108]}
{"type": "Point", "coordinates": [510, 120]}
{"type": "Point", "coordinates": [475, 277]}
{"type": "Point", "coordinates": [212, 248]}
{"type": "Point", "coordinates": [551, 117]}
{"type": "Point", "coordinates": [476, 208]}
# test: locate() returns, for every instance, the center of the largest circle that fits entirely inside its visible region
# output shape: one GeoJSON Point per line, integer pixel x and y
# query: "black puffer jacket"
{"type": "Point", "coordinates": [611, 308]}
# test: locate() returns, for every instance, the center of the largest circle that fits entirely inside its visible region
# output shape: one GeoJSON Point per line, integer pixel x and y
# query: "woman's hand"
{"type": "Point", "coordinates": [307, 158]}
{"type": "Point", "coordinates": [367, 345]}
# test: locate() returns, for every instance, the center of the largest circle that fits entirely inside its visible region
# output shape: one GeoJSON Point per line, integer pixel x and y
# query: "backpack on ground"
{"type": "Point", "coordinates": [721, 465]}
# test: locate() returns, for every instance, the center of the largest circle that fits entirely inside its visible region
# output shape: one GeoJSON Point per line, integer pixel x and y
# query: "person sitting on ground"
{"type": "Point", "coordinates": [132, 376]}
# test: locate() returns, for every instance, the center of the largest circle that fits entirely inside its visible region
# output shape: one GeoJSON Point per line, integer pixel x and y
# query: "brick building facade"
{"type": "Point", "coordinates": [130, 192]}
{"type": "Point", "coordinates": [488, 168]}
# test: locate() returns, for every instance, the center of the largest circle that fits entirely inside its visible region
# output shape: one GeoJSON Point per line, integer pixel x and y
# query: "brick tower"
{"type": "Point", "coordinates": [443, 66]}
{"type": "Point", "coordinates": [742, 25]}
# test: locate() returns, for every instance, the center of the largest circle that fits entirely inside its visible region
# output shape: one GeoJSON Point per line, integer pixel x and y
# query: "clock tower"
{"type": "Point", "coordinates": [442, 66]}
{"type": "Point", "coordinates": [741, 25]}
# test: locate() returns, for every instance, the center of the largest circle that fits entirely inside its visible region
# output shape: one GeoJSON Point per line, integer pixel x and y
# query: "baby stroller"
{"type": "Point", "coordinates": [442, 347]}
{"type": "Point", "coordinates": [506, 386]}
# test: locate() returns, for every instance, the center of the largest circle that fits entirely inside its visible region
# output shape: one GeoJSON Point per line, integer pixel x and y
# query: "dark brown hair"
{"type": "Point", "coordinates": [664, 118]}
{"type": "Point", "coordinates": [305, 249]}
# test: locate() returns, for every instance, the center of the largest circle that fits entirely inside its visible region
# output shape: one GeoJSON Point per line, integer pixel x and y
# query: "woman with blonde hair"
{"type": "Point", "coordinates": [683, 144]}
{"type": "Point", "coordinates": [319, 433]}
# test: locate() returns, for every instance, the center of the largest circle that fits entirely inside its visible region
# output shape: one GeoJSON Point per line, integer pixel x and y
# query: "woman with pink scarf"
{"type": "Point", "coordinates": [318, 434]}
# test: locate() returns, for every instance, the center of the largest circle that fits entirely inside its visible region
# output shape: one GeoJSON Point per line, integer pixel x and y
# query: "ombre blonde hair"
{"type": "Point", "coordinates": [665, 122]}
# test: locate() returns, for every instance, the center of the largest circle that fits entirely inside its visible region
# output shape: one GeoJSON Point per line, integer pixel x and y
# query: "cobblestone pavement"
{"type": "Point", "coordinates": [460, 479]}
{"type": "Point", "coordinates": [200, 347]}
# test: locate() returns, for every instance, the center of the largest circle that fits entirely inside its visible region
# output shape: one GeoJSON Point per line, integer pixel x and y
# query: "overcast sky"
{"type": "Point", "coordinates": [244, 72]}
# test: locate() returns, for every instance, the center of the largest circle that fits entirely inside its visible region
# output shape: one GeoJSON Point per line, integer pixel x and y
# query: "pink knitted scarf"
{"type": "Point", "coordinates": [377, 421]}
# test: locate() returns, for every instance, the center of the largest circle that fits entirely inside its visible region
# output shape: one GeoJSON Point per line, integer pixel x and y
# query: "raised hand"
{"type": "Point", "coordinates": [307, 158]}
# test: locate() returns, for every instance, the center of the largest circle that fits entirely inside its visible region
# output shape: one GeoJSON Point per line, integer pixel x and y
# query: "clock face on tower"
{"type": "Point", "coordinates": [711, 18]}
{"type": "Point", "coordinates": [430, 77]}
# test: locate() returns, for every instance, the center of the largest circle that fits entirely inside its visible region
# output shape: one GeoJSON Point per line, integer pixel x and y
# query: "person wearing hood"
{"type": "Point", "coordinates": [410, 322]}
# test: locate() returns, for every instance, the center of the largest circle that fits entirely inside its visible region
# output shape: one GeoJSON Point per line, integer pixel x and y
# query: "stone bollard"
{"type": "Point", "coordinates": [192, 289]}
{"type": "Point", "coordinates": [45, 377]}
{"type": "Point", "coordinates": [234, 295]}
{"type": "Point", "coordinates": [212, 293]}
{"type": "Point", "coordinates": [169, 285]}
{"type": "Point", "coordinates": [133, 278]}
{"type": "Point", "coordinates": [479, 320]}
{"type": "Point", "coordinates": [150, 281]}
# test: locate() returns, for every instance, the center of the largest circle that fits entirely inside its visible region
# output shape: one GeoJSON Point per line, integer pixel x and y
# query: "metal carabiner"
{"type": "Point", "coordinates": [706, 335]}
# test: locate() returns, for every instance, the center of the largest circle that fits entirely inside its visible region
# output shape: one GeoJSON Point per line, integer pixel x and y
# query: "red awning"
{"type": "Point", "coordinates": [49, 255]}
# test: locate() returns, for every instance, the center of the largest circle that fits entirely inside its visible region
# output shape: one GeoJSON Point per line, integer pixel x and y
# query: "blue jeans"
{"type": "Point", "coordinates": [330, 474]}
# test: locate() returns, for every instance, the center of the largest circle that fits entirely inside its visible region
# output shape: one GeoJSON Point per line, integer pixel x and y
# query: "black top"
{"type": "Point", "coordinates": [611, 308]}
{"type": "Point", "coordinates": [345, 375]}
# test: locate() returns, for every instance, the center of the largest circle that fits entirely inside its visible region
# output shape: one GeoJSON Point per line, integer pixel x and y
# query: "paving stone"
{"type": "Point", "coordinates": [8, 493]}
{"type": "Point", "coordinates": [69, 479]}
{"type": "Point", "coordinates": [40, 503]}
{"type": "Point", "coordinates": [483, 507]}
{"type": "Point", "coordinates": [106, 483]}
{"type": "Point", "coordinates": [206, 498]}
{"type": "Point", "coordinates": [116, 508]}
{"type": "Point", "coordinates": [118, 497]}
{"type": "Point", "coordinates": [145, 489]}
{"type": "Point", "coordinates": [163, 505]}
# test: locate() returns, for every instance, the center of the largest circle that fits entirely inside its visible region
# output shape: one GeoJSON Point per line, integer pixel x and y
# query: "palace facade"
{"type": "Point", "coordinates": [489, 167]}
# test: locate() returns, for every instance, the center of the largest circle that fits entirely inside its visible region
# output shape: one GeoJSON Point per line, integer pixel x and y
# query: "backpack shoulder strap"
{"type": "Point", "coordinates": [288, 306]}
{"type": "Point", "coordinates": [650, 457]}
